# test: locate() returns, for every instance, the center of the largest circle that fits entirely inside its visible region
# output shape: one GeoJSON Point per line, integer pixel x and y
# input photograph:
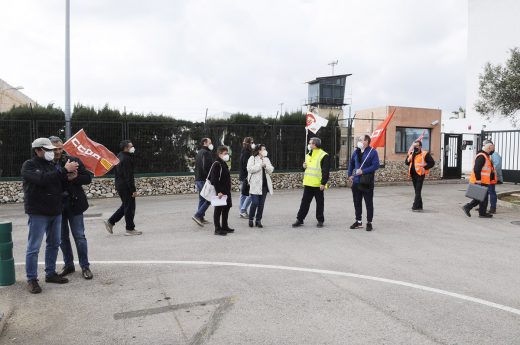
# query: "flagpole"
{"type": "Point", "coordinates": [306, 140]}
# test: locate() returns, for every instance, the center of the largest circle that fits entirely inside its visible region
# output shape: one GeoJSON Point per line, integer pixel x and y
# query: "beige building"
{"type": "Point", "coordinates": [10, 96]}
{"type": "Point", "coordinates": [406, 126]}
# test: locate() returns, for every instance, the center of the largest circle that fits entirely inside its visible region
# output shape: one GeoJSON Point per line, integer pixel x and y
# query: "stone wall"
{"type": "Point", "coordinates": [12, 192]}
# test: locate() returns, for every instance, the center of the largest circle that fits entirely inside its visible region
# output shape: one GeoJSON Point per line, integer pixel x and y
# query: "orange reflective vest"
{"type": "Point", "coordinates": [485, 174]}
{"type": "Point", "coordinates": [419, 164]}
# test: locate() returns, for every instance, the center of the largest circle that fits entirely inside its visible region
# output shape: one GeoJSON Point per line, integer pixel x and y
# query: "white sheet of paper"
{"type": "Point", "coordinates": [215, 201]}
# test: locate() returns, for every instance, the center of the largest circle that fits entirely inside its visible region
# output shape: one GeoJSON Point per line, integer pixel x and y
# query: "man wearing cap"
{"type": "Point", "coordinates": [43, 188]}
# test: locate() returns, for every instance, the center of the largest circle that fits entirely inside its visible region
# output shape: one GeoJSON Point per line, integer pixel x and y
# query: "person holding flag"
{"type": "Point", "coordinates": [361, 172]}
{"type": "Point", "coordinates": [420, 162]}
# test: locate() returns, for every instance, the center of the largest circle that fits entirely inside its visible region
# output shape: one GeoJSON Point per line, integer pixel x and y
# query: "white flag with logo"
{"type": "Point", "coordinates": [315, 122]}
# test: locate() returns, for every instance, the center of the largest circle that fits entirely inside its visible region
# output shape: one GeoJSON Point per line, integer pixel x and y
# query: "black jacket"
{"type": "Point", "coordinates": [430, 163]}
{"type": "Point", "coordinates": [221, 179]}
{"type": "Point", "coordinates": [77, 198]}
{"type": "Point", "coordinates": [203, 162]}
{"type": "Point", "coordinates": [244, 157]}
{"type": "Point", "coordinates": [124, 173]}
{"type": "Point", "coordinates": [43, 187]}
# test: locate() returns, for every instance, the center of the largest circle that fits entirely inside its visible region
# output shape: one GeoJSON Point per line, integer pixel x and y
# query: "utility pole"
{"type": "Point", "coordinates": [281, 105]}
{"type": "Point", "coordinates": [332, 64]}
{"type": "Point", "coordinates": [67, 70]}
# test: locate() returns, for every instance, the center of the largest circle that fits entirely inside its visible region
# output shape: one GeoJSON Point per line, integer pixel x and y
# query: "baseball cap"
{"type": "Point", "coordinates": [43, 142]}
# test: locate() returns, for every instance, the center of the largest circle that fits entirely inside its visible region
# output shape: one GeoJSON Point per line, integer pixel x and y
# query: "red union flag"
{"type": "Point", "coordinates": [314, 122]}
{"type": "Point", "coordinates": [378, 136]}
{"type": "Point", "coordinates": [96, 157]}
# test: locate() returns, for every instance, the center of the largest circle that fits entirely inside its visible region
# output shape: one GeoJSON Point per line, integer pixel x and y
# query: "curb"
{"type": "Point", "coordinates": [505, 203]}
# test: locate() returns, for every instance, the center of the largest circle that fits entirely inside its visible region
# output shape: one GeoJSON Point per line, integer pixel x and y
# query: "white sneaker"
{"type": "Point", "coordinates": [108, 226]}
{"type": "Point", "coordinates": [133, 233]}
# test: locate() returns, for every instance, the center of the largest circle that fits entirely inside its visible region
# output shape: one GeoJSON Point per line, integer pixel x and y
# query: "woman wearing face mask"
{"type": "Point", "coordinates": [420, 162]}
{"type": "Point", "coordinates": [248, 146]}
{"type": "Point", "coordinates": [259, 170]}
{"type": "Point", "coordinates": [221, 180]}
{"type": "Point", "coordinates": [364, 162]}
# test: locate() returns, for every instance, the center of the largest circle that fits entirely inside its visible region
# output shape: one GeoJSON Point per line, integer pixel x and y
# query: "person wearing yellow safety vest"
{"type": "Point", "coordinates": [315, 178]}
{"type": "Point", "coordinates": [484, 174]}
{"type": "Point", "coordinates": [420, 162]}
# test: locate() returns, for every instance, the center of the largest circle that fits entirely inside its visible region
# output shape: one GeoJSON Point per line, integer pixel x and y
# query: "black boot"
{"type": "Point", "coordinates": [220, 232]}
{"type": "Point", "coordinates": [259, 224]}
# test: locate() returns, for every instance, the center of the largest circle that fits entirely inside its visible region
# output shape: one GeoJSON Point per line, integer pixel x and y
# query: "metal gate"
{"type": "Point", "coordinates": [507, 145]}
{"type": "Point", "coordinates": [452, 168]}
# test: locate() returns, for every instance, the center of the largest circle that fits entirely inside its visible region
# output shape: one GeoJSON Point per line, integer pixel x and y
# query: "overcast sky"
{"type": "Point", "coordinates": [181, 57]}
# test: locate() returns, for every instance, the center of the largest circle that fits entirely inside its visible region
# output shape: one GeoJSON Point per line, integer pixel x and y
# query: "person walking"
{"type": "Point", "coordinates": [248, 146]}
{"type": "Point", "coordinates": [203, 162]}
{"type": "Point", "coordinates": [363, 165]}
{"type": "Point", "coordinates": [221, 180]}
{"type": "Point", "coordinates": [259, 170]}
{"type": "Point", "coordinates": [74, 205]}
{"type": "Point", "coordinates": [315, 178]}
{"type": "Point", "coordinates": [43, 189]}
{"type": "Point", "coordinates": [496, 159]}
{"type": "Point", "coordinates": [125, 186]}
{"type": "Point", "coordinates": [483, 174]}
{"type": "Point", "coordinates": [420, 162]}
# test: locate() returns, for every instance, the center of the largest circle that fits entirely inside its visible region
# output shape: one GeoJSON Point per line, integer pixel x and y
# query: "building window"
{"type": "Point", "coordinates": [404, 137]}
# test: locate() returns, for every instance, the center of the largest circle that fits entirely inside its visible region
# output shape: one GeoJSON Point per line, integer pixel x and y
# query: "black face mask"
{"type": "Point", "coordinates": [416, 150]}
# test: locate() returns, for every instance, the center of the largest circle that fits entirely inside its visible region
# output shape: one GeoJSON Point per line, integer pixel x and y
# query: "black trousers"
{"type": "Point", "coordinates": [127, 209]}
{"type": "Point", "coordinates": [221, 211]}
{"type": "Point", "coordinates": [308, 194]}
{"type": "Point", "coordinates": [358, 195]}
{"type": "Point", "coordinates": [417, 185]}
{"type": "Point", "coordinates": [482, 205]}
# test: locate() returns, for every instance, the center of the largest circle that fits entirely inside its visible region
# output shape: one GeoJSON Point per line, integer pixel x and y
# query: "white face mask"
{"type": "Point", "coordinates": [360, 145]}
{"type": "Point", "coordinates": [263, 153]}
{"type": "Point", "coordinates": [253, 146]}
{"type": "Point", "coordinates": [309, 147]}
{"type": "Point", "coordinates": [210, 147]}
{"type": "Point", "coordinates": [225, 158]}
{"type": "Point", "coordinates": [49, 155]}
{"type": "Point", "coordinates": [131, 150]}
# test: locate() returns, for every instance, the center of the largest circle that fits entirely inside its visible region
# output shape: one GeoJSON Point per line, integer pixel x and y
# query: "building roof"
{"type": "Point", "coordinates": [10, 96]}
{"type": "Point", "coordinates": [318, 79]}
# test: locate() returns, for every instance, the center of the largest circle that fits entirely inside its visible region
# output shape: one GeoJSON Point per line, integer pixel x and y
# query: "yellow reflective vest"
{"type": "Point", "coordinates": [312, 175]}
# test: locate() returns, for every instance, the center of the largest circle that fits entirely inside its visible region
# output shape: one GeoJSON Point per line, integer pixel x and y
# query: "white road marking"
{"type": "Point", "coordinates": [310, 270]}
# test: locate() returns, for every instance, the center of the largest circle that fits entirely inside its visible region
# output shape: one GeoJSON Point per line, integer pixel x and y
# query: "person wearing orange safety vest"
{"type": "Point", "coordinates": [420, 162]}
{"type": "Point", "coordinates": [484, 174]}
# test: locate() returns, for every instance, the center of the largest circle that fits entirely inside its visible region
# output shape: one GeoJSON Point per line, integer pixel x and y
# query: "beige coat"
{"type": "Point", "coordinates": [254, 174]}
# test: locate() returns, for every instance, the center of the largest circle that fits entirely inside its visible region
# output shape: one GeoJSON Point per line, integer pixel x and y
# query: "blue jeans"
{"type": "Point", "coordinates": [77, 227]}
{"type": "Point", "coordinates": [257, 206]}
{"type": "Point", "coordinates": [39, 226]}
{"type": "Point", "coordinates": [492, 196]}
{"type": "Point", "coordinates": [245, 200]}
{"type": "Point", "coordinates": [203, 203]}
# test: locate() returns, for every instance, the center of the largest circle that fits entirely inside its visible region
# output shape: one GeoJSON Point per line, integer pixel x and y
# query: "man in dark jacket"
{"type": "Point", "coordinates": [74, 205]}
{"type": "Point", "coordinates": [248, 146]}
{"type": "Point", "coordinates": [420, 162]}
{"type": "Point", "coordinates": [43, 189]}
{"type": "Point", "coordinates": [125, 186]}
{"type": "Point", "coordinates": [203, 162]}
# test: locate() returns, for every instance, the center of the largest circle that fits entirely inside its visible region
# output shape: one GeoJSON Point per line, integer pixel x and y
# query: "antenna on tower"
{"type": "Point", "coordinates": [332, 64]}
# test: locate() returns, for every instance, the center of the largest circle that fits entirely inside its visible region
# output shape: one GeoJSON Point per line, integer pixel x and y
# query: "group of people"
{"type": "Point", "coordinates": [55, 201]}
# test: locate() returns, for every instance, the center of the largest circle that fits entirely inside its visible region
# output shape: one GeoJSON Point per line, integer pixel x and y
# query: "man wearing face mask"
{"type": "Point", "coordinates": [496, 159]}
{"type": "Point", "coordinates": [74, 205]}
{"type": "Point", "coordinates": [420, 162]}
{"type": "Point", "coordinates": [203, 162]}
{"type": "Point", "coordinates": [248, 146]}
{"type": "Point", "coordinates": [43, 188]}
{"type": "Point", "coordinates": [364, 162]}
{"type": "Point", "coordinates": [315, 178]}
{"type": "Point", "coordinates": [221, 180]}
{"type": "Point", "coordinates": [484, 174]}
{"type": "Point", "coordinates": [125, 186]}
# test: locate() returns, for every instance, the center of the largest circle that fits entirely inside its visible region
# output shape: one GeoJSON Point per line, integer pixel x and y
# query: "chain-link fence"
{"type": "Point", "coordinates": [166, 148]}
